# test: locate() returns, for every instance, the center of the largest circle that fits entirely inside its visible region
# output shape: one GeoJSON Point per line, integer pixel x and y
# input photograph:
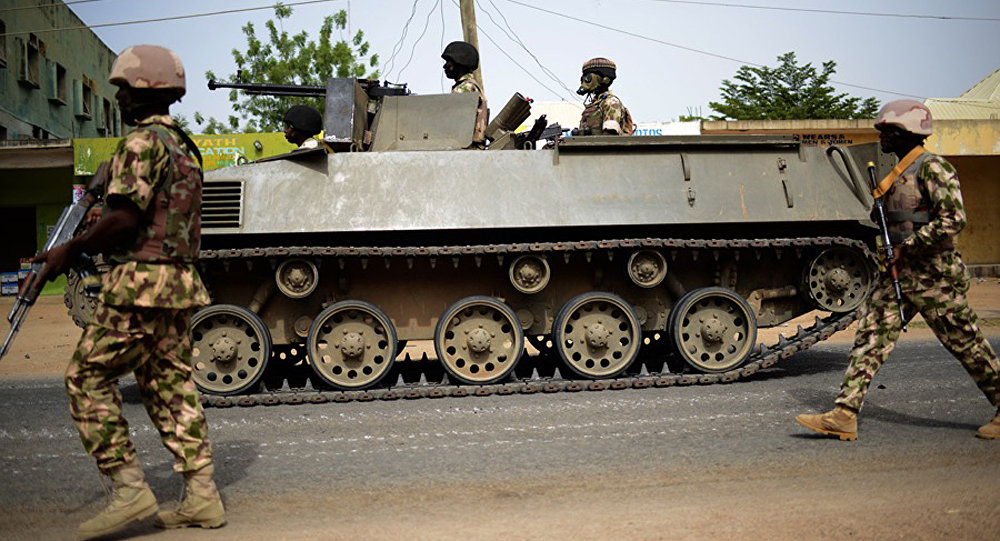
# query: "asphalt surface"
{"type": "Point", "coordinates": [358, 470]}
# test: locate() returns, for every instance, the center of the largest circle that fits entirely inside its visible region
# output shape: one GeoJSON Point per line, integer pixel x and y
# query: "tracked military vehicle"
{"type": "Point", "coordinates": [623, 261]}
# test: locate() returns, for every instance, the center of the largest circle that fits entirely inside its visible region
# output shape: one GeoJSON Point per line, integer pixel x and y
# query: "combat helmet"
{"type": "Point", "coordinates": [462, 54]}
{"type": "Point", "coordinates": [602, 66]}
{"type": "Point", "coordinates": [149, 67]}
{"type": "Point", "coordinates": [908, 115]}
{"type": "Point", "coordinates": [304, 119]}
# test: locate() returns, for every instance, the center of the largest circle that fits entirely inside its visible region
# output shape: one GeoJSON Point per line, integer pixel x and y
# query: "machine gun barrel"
{"type": "Point", "coordinates": [890, 254]}
{"type": "Point", "coordinates": [272, 89]}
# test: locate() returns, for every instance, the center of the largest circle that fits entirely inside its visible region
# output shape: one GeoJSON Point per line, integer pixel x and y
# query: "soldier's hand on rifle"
{"type": "Point", "coordinates": [93, 216]}
{"type": "Point", "coordinates": [57, 261]}
{"type": "Point", "coordinates": [897, 258]}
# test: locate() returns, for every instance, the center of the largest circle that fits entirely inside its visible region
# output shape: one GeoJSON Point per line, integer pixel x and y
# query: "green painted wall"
{"type": "Point", "coordinates": [50, 94]}
{"type": "Point", "coordinates": [217, 151]}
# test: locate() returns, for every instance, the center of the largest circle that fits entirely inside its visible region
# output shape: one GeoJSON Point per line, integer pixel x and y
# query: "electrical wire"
{"type": "Point", "coordinates": [391, 63]}
{"type": "Point", "coordinates": [427, 23]}
{"type": "Point", "coordinates": [512, 35]}
{"type": "Point", "coordinates": [830, 11]}
{"type": "Point", "coordinates": [161, 19]}
{"type": "Point", "coordinates": [691, 49]}
{"type": "Point", "coordinates": [503, 52]}
{"type": "Point", "coordinates": [441, 43]}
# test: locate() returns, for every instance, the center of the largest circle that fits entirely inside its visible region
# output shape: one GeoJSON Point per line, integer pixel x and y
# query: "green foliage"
{"type": "Point", "coordinates": [788, 92]}
{"type": "Point", "coordinates": [289, 59]}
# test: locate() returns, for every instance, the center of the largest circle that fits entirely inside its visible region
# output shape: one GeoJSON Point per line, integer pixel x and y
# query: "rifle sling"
{"type": "Point", "coordinates": [903, 164]}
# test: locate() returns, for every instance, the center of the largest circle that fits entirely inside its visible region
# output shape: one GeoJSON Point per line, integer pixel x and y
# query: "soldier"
{"type": "Point", "coordinates": [925, 212]}
{"type": "Point", "coordinates": [302, 123]}
{"type": "Point", "coordinates": [460, 61]}
{"type": "Point", "coordinates": [151, 231]}
{"type": "Point", "coordinates": [604, 114]}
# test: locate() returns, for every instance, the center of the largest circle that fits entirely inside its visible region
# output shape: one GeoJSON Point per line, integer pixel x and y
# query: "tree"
{"type": "Point", "coordinates": [788, 92]}
{"type": "Point", "coordinates": [289, 59]}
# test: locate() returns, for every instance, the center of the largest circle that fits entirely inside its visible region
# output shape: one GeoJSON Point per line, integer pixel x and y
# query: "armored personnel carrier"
{"type": "Point", "coordinates": [623, 261]}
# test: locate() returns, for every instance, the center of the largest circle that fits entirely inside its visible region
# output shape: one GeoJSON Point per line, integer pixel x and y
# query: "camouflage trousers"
{"type": "Point", "coordinates": [936, 287]}
{"type": "Point", "coordinates": [155, 344]}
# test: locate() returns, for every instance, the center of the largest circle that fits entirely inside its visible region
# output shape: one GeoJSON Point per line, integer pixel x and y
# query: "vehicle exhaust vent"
{"type": "Point", "coordinates": [222, 204]}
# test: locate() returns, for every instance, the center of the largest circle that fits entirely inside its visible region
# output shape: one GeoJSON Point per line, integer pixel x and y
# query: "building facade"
{"type": "Point", "coordinates": [53, 76]}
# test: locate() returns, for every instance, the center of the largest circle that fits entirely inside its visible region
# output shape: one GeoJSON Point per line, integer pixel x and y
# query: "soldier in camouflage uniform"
{"type": "Point", "coordinates": [604, 113]}
{"type": "Point", "coordinates": [151, 232]}
{"type": "Point", "coordinates": [924, 209]}
{"type": "Point", "coordinates": [460, 62]}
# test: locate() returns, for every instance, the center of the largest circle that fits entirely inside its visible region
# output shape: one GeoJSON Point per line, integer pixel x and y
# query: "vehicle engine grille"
{"type": "Point", "coordinates": [222, 204]}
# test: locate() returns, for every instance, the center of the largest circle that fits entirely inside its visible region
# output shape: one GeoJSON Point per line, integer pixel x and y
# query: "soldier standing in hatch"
{"type": "Point", "coordinates": [460, 61]}
{"type": "Point", "coordinates": [925, 212]}
{"type": "Point", "coordinates": [604, 113]}
{"type": "Point", "coordinates": [142, 321]}
{"type": "Point", "coordinates": [302, 124]}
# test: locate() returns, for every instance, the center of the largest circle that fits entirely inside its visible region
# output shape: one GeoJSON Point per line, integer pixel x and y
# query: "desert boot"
{"type": "Point", "coordinates": [840, 422]}
{"type": "Point", "coordinates": [201, 506]}
{"type": "Point", "coordinates": [990, 430]}
{"type": "Point", "coordinates": [131, 501]}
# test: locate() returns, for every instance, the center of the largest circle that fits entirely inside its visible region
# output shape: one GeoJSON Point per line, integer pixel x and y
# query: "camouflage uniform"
{"type": "Point", "coordinates": [934, 282]}
{"type": "Point", "coordinates": [467, 84]}
{"type": "Point", "coordinates": [142, 321]}
{"type": "Point", "coordinates": [606, 111]}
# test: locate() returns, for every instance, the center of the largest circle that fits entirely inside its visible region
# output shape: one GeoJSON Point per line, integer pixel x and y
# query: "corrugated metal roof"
{"type": "Point", "coordinates": [981, 102]}
{"type": "Point", "coordinates": [988, 89]}
{"type": "Point", "coordinates": [962, 109]}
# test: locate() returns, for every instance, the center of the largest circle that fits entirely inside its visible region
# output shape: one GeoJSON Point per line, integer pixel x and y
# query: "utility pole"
{"type": "Point", "coordinates": [469, 33]}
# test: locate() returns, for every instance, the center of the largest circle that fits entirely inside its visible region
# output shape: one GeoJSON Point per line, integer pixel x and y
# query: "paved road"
{"type": "Point", "coordinates": [700, 462]}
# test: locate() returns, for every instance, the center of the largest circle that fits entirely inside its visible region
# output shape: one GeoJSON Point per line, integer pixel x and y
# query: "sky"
{"type": "Point", "coordinates": [672, 56]}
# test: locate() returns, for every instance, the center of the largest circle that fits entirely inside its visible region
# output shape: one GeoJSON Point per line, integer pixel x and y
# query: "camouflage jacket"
{"type": "Point", "coordinates": [607, 112]}
{"type": "Point", "coordinates": [152, 168]}
{"type": "Point", "coordinates": [934, 182]}
{"type": "Point", "coordinates": [467, 83]}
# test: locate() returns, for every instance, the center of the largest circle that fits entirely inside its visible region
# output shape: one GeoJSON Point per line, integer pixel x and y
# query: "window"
{"type": "Point", "coordinates": [105, 126]}
{"type": "Point", "coordinates": [3, 132]}
{"type": "Point", "coordinates": [30, 54]}
{"type": "Point", "coordinates": [83, 98]}
{"type": "Point", "coordinates": [3, 45]}
{"type": "Point", "coordinates": [57, 83]}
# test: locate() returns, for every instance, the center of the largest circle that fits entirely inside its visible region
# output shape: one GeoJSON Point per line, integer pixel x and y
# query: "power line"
{"type": "Point", "coordinates": [441, 44]}
{"type": "Point", "coordinates": [391, 63]}
{"type": "Point", "coordinates": [161, 19]}
{"type": "Point", "coordinates": [830, 11]}
{"type": "Point", "coordinates": [427, 23]}
{"type": "Point", "coordinates": [512, 35]}
{"type": "Point", "coordinates": [53, 4]}
{"type": "Point", "coordinates": [515, 62]}
{"type": "Point", "coordinates": [692, 49]}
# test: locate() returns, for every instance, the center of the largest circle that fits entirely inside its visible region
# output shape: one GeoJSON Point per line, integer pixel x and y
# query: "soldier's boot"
{"type": "Point", "coordinates": [840, 422]}
{"type": "Point", "coordinates": [201, 506]}
{"type": "Point", "coordinates": [990, 430]}
{"type": "Point", "coordinates": [131, 501]}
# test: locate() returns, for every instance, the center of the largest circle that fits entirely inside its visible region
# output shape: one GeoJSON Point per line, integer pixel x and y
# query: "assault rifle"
{"type": "Point", "coordinates": [66, 228]}
{"type": "Point", "coordinates": [883, 227]}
